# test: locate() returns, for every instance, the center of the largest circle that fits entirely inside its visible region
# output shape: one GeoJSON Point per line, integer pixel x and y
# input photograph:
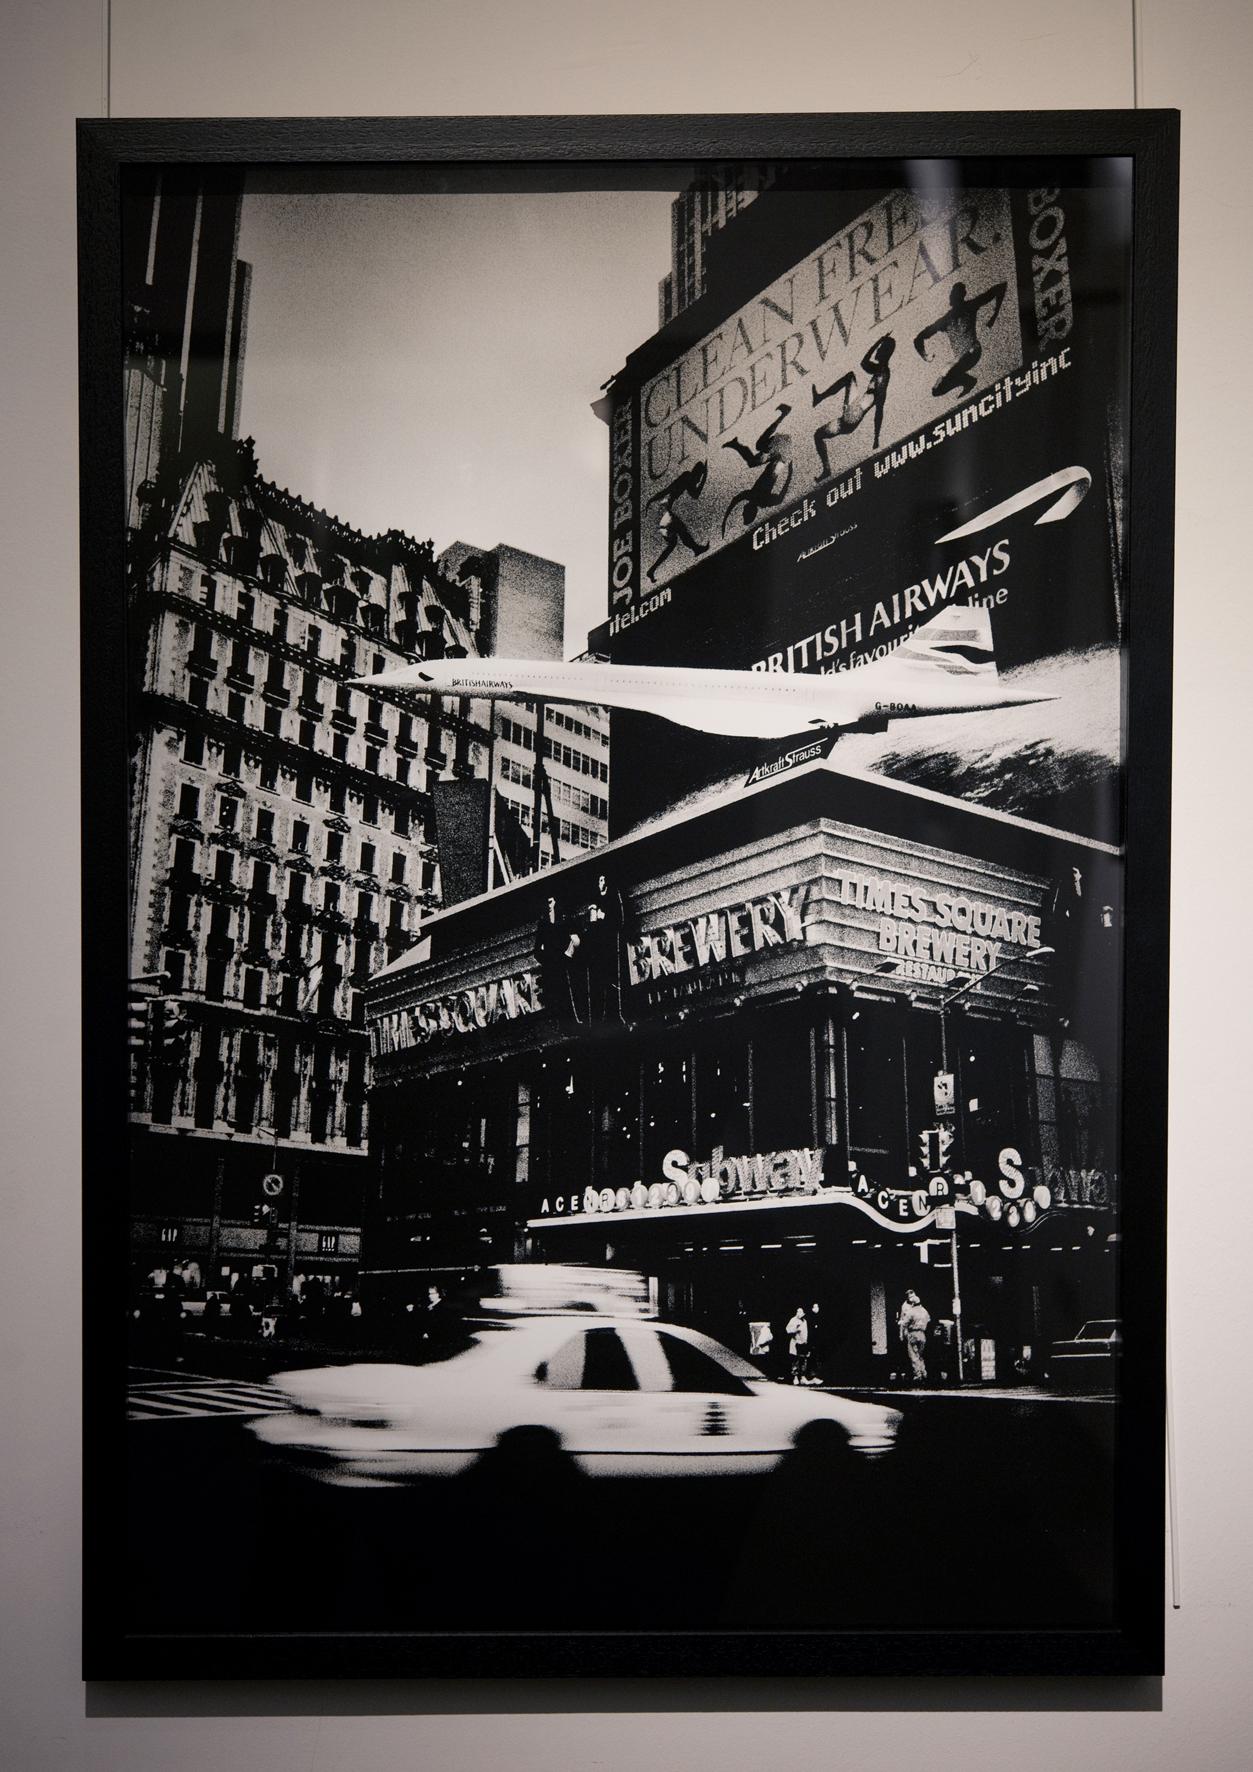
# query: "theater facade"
{"type": "Point", "coordinates": [818, 1041]}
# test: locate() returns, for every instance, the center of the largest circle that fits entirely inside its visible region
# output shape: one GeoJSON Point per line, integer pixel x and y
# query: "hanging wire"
{"type": "Point", "coordinates": [106, 58]}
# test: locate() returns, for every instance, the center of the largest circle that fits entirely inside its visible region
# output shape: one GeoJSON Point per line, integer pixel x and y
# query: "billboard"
{"type": "Point", "coordinates": [953, 367]}
{"type": "Point", "coordinates": [891, 322]}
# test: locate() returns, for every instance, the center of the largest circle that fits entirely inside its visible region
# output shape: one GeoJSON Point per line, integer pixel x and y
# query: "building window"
{"type": "Point", "coordinates": [875, 1106]}
{"type": "Point", "coordinates": [334, 845]}
{"type": "Point", "coordinates": [339, 747]}
{"type": "Point", "coordinates": [188, 801]}
{"type": "Point", "coordinates": [347, 652]}
{"type": "Point", "coordinates": [304, 786]}
{"type": "Point", "coordinates": [274, 721]}
{"type": "Point", "coordinates": [300, 836]}
{"type": "Point", "coordinates": [228, 812]}
{"type": "Point", "coordinates": [232, 760]}
{"type": "Point", "coordinates": [198, 692]}
{"type": "Point", "coordinates": [183, 862]}
{"type": "Point", "coordinates": [208, 1073]}
{"type": "Point", "coordinates": [175, 969]}
{"type": "Point", "coordinates": [308, 735]}
{"type": "Point", "coordinates": [330, 896]}
{"type": "Point", "coordinates": [313, 645]}
{"type": "Point", "coordinates": [269, 773]}
{"type": "Point", "coordinates": [721, 1107]}
{"type": "Point", "coordinates": [254, 979]}
{"type": "Point", "coordinates": [245, 608]}
{"type": "Point", "coordinates": [993, 1064]}
{"type": "Point", "coordinates": [402, 769]}
{"type": "Point", "coordinates": [372, 760]}
{"type": "Point", "coordinates": [178, 917]}
{"type": "Point", "coordinates": [400, 821]}
{"type": "Point", "coordinates": [265, 825]}
{"type": "Point", "coordinates": [279, 627]}
{"type": "Point", "coordinates": [193, 747]}
{"type": "Point", "coordinates": [367, 858]}
{"type": "Point", "coordinates": [215, 980]}
{"type": "Point", "coordinates": [209, 592]}
{"type": "Point", "coordinates": [369, 809]}
{"type": "Point", "coordinates": [236, 706]}
{"type": "Point", "coordinates": [223, 867]}
{"type": "Point", "coordinates": [336, 798]}
{"type": "Point", "coordinates": [398, 868]}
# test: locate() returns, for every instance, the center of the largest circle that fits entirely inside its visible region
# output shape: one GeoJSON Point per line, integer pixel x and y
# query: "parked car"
{"type": "Point", "coordinates": [1095, 1347]}
{"type": "Point", "coordinates": [619, 1396]}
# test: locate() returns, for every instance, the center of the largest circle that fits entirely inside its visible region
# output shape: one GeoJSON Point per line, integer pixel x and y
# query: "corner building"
{"type": "Point", "coordinates": [750, 1129]}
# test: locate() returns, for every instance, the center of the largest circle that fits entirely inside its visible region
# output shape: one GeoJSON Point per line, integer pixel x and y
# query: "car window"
{"type": "Point", "coordinates": [606, 1364]}
{"type": "Point", "coordinates": [693, 1370]}
{"type": "Point", "coordinates": [563, 1371]}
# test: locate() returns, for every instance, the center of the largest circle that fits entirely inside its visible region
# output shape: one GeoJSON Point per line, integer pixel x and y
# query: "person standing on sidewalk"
{"type": "Point", "coordinates": [813, 1361]}
{"type": "Point", "coordinates": [798, 1343]}
{"type": "Point", "coordinates": [912, 1321]}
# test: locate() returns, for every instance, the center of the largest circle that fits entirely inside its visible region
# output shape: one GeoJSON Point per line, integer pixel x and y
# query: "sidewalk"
{"type": "Point", "coordinates": [1002, 1393]}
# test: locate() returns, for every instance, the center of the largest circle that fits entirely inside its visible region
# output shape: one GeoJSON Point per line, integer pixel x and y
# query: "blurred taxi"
{"type": "Point", "coordinates": [618, 1395]}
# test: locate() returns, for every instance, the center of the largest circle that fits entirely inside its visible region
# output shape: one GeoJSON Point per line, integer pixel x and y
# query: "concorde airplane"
{"type": "Point", "coordinates": [945, 666]}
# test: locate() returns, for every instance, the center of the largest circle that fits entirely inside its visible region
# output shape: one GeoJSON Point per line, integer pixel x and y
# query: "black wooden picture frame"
{"type": "Point", "coordinates": [1130, 1638]}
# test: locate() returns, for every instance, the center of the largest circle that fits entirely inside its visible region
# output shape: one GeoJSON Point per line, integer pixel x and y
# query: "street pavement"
{"type": "Point", "coordinates": [995, 1512]}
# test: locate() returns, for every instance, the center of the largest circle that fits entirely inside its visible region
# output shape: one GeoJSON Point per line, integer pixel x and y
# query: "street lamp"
{"type": "Point", "coordinates": [946, 1003]}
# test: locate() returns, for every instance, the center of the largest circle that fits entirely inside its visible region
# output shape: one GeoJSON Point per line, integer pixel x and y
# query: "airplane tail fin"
{"type": "Point", "coordinates": [948, 665]}
{"type": "Point", "coordinates": [957, 641]}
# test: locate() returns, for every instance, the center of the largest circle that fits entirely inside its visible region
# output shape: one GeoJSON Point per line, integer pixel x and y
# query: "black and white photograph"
{"type": "Point", "coordinates": [626, 668]}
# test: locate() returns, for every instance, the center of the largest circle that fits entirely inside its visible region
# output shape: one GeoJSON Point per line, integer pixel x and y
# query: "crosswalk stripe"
{"type": "Point", "coordinates": [163, 1402]}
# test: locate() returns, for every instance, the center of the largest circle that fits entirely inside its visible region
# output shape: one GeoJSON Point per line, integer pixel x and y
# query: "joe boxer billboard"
{"type": "Point", "coordinates": [892, 321]}
{"type": "Point", "coordinates": [925, 408]}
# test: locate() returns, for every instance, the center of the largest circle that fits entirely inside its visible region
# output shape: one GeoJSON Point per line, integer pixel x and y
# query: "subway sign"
{"type": "Point", "coordinates": [794, 1176]}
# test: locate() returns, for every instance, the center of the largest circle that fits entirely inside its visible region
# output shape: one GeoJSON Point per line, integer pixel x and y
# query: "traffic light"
{"type": "Point", "coordinates": [138, 1005]}
{"type": "Point", "coordinates": [936, 1143]}
{"type": "Point", "coordinates": [169, 1030]}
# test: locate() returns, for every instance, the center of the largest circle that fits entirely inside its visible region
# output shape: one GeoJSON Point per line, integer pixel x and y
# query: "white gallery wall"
{"type": "Point", "coordinates": [186, 58]}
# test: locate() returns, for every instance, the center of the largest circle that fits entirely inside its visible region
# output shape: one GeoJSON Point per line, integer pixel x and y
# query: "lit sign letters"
{"type": "Point", "coordinates": [774, 920]}
{"type": "Point", "coordinates": [463, 1012]}
{"type": "Point", "coordinates": [935, 936]}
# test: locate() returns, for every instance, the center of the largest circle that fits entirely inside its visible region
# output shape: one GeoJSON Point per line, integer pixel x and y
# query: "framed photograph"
{"type": "Point", "coordinates": [626, 707]}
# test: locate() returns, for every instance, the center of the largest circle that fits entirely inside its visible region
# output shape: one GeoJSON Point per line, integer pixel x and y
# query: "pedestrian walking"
{"type": "Point", "coordinates": [798, 1343]}
{"type": "Point", "coordinates": [911, 1321]}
